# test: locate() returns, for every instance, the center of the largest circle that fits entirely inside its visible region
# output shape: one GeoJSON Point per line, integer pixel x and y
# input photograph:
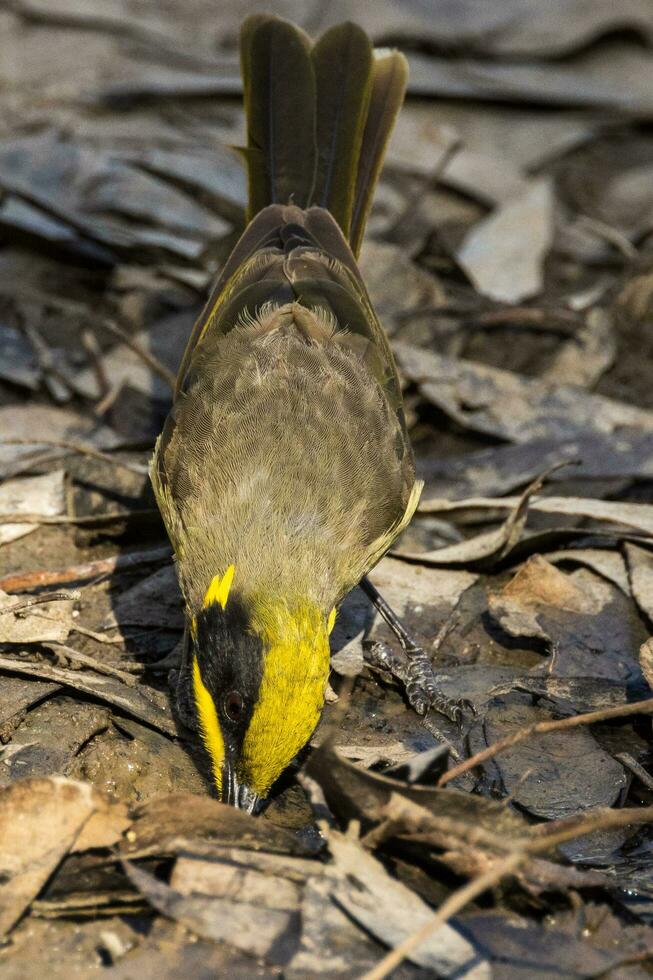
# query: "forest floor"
{"type": "Point", "coordinates": [510, 257]}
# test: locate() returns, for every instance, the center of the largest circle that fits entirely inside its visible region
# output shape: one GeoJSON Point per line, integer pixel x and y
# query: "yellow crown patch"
{"type": "Point", "coordinates": [218, 590]}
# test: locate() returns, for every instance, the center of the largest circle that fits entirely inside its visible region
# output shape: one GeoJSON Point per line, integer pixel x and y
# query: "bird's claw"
{"type": "Point", "coordinates": [415, 672]}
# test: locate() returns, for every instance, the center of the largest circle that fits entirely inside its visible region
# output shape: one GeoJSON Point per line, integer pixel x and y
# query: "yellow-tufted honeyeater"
{"type": "Point", "coordinates": [284, 471]}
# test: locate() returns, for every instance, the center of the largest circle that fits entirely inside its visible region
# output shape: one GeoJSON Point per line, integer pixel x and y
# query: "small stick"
{"type": "Point", "coordinates": [144, 354]}
{"type": "Point", "coordinates": [544, 837]}
{"type": "Point", "coordinates": [94, 354]}
{"type": "Point", "coordinates": [626, 759]}
{"type": "Point", "coordinates": [97, 665]}
{"type": "Point", "coordinates": [92, 519]}
{"type": "Point", "coordinates": [539, 728]}
{"type": "Point", "coordinates": [98, 637]}
{"type": "Point", "coordinates": [78, 447]}
{"type": "Point", "coordinates": [455, 902]}
{"type": "Point", "coordinates": [37, 600]}
{"type": "Point", "coordinates": [552, 835]}
{"type": "Point", "coordinates": [86, 571]}
{"type": "Point", "coordinates": [102, 407]}
{"type": "Point", "coordinates": [610, 235]}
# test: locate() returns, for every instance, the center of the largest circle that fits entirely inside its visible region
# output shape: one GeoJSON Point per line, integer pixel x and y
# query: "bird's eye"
{"type": "Point", "coordinates": [233, 705]}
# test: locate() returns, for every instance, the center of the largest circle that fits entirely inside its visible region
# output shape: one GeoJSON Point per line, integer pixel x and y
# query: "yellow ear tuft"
{"type": "Point", "coordinates": [331, 621]}
{"type": "Point", "coordinates": [218, 590]}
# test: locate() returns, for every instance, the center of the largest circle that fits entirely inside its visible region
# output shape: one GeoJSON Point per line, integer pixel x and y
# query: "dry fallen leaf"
{"type": "Point", "coordinates": [391, 911]}
{"type": "Point", "coordinates": [514, 407]}
{"type": "Point", "coordinates": [504, 254]}
{"type": "Point", "coordinates": [41, 820]}
{"type": "Point", "coordinates": [646, 661]}
{"type": "Point", "coordinates": [263, 926]}
{"type": "Point", "coordinates": [31, 495]}
{"type": "Point", "coordinates": [47, 623]}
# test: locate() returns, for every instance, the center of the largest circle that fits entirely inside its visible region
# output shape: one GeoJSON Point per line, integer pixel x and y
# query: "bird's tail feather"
{"type": "Point", "coordinates": [319, 117]}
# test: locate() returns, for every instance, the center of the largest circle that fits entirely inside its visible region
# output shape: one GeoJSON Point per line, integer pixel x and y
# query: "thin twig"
{"type": "Point", "coordinates": [542, 838]}
{"type": "Point", "coordinates": [457, 901]}
{"type": "Point", "coordinates": [90, 519]}
{"type": "Point", "coordinates": [102, 407]}
{"type": "Point", "coordinates": [98, 637]}
{"type": "Point", "coordinates": [539, 728]}
{"type": "Point", "coordinates": [94, 354]}
{"type": "Point", "coordinates": [610, 235]}
{"type": "Point", "coordinates": [37, 600]}
{"type": "Point", "coordinates": [81, 448]}
{"type": "Point", "coordinates": [97, 665]}
{"type": "Point", "coordinates": [86, 571]}
{"type": "Point", "coordinates": [626, 759]}
{"type": "Point", "coordinates": [141, 351]}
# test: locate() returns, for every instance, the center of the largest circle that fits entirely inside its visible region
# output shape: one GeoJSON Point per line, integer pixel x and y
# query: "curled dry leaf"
{"type": "Point", "coordinates": [353, 793]}
{"type": "Point", "coordinates": [486, 548]}
{"type": "Point", "coordinates": [586, 622]}
{"type": "Point", "coordinates": [511, 406]}
{"type": "Point", "coordinates": [640, 574]}
{"type": "Point", "coordinates": [169, 824]}
{"type": "Point", "coordinates": [635, 517]}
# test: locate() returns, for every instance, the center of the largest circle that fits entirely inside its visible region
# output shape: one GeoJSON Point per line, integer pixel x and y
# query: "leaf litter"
{"type": "Point", "coordinates": [510, 258]}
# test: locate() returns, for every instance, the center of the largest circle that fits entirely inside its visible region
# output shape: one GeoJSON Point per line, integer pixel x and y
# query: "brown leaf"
{"type": "Point", "coordinates": [31, 495]}
{"type": "Point", "coordinates": [391, 912]}
{"type": "Point", "coordinates": [40, 821]}
{"type": "Point", "coordinates": [511, 406]}
{"type": "Point", "coordinates": [140, 702]}
{"type": "Point", "coordinates": [171, 823]}
{"type": "Point", "coordinates": [504, 254]}
{"type": "Point", "coordinates": [256, 928]}
{"type": "Point", "coordinates": [353, 793]}
{"type": "Point", "coordinates": [40, 624]}
{"type": "Point", "coordinates": [646, 661]}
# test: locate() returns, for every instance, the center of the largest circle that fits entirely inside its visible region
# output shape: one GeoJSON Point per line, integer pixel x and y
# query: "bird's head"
{"type": "Point", "coordinates": [259, 671]}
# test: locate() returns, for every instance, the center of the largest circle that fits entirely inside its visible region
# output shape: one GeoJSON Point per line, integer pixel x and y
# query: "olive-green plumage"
{"type": "Point", "coordinates": [286, 453]}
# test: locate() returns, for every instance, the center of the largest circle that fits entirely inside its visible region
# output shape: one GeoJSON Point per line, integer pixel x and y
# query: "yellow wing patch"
{"type": "Point", "coordinates": [218, 590]}
{"type": "Point", "coordinates": [209, 724]}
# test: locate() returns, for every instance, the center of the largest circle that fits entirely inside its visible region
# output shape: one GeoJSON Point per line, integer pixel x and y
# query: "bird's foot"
{"type": "Point", "coordinates": [414, 671]}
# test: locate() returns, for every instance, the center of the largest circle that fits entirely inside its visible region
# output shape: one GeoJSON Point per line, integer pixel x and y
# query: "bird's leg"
{"type": "Point", "coordinates": [414, 669]}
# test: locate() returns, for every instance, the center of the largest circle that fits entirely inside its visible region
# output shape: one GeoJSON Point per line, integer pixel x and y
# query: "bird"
{"type": "Point", "coordinates": [284, 471]}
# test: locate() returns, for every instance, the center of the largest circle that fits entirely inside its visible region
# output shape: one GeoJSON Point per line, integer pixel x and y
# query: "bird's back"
{"type": "Point", "coordinates": [288, 419]}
